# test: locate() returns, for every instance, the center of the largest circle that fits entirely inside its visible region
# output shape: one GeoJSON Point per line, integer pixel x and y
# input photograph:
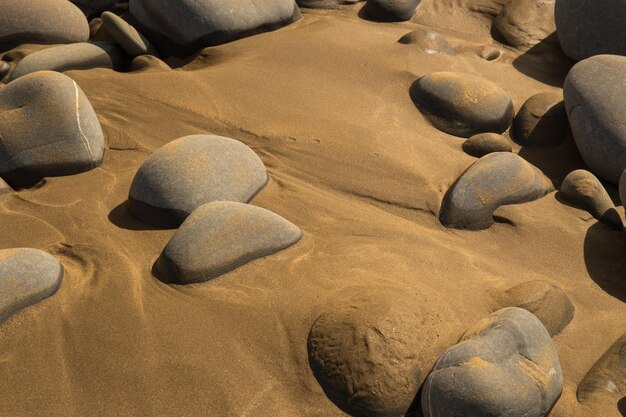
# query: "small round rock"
{"type": "Point", "coordinates": [541, 121]}
{"type": "Point", "coordinates": [391, 10]}
{"type": "Point", "coordinates": [429, 41]}
{"type": "Point", "coordinates": [486, 143]}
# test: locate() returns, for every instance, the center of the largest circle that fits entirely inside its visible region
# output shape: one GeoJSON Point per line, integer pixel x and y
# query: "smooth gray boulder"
{"type": "Point", "coordinates": [494, 180]}
{"type": "Point", "coordinates": [75, 56]}
{"type": "Point", "coordinates": [591, 27]}
{"type": "Point", "coordinates": [485, 143]}
{"type": "Point", "coordinates": [524, 23]}
{"type": "Point", "coordinates": [505, 365]}
{"type": "Point", "coordinates": [194, 24]}
{"type": "Point", "coordinates": [221, 236]}
{"type": "Point", "coordinates": [133, 42]}
{"type": "Point", "coordinates": [461, 104]}
{"type": "Point", "coordinates": [429, 41]}
{"type": "Point", "coordinates": [541, 121]}
{"type": "Point", "coordinates": [63, 135]}
{"type": "Point", "coordinates": [593, 92]}
{"type": "Point", "coordinates": [606, 377]}
{"type": "Point", "coordinates": [191, 171]}
{"type": "Point", "coordinates": [27, 276]}
{"type": "Point", "coordinates": [582, 188]}
{"type": "Point", "coordinates": [41, 21]}
{"type": "Point", "coordinates": [391, 10]}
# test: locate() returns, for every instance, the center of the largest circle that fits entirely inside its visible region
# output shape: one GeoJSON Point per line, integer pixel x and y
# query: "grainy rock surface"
{"type": "Point", "coordinates": [541, 121]}
{"type": "Point", "coordinates": [390, 10]}
{"type": "Point", "coordinates": [486, 143]}
{"type": "Point", "coordinates": [429, 41]}
{"type": "Point", "coordinates": [524, 23]}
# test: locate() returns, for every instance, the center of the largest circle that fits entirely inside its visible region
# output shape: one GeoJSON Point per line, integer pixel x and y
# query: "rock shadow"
{"type": "Point", "coordinates": [121, 217]}
{"type": "Point", "coordinates": [621, 406]}
{"type": "Point", "coordinates": [545, 62]}
{"type": "Point", "coordinates": [604, 251]}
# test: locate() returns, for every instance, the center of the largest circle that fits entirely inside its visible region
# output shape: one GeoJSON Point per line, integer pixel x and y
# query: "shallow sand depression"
{"type": "Point", "coordinates": [354, 164]}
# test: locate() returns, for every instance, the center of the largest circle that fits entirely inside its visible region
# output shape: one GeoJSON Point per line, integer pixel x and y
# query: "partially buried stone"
{"type": "Point", "coordinates": [581, 187]}
{"type": "Point", "coordinates": [494, 180]}
{"type": "Point", "coordinates": [429, 41]}
{"type": "Point", "coordinates": [133, 42]}
{"type": "Point", "coordinates": [148, 62]}
{"type": "Point", "coordinates": [541, 121]}
{"type": "Point", "coordinates": [63, 136]}
{"type": "Point", "coordinates": [5, 68]}
{"type": "Point", "coordinates": [318, 4]}
{"type": "Point", "coordinates": [76, 56]}
{"type": "Point", "coordinates": [524, 23]}
{"type": "Point", "coordinates": [191, 171]}
{"type": "Point", "coordinates": [505, 365]}
{"type": "Point", "coordinates": [461, 104]}
{"type": "Point", "coordinates": [486, 143]}
{"type": "Point", "coordinates": [391, 10]}
{"type": "Point", "coordinates": [606, 377]}
{"type": "Point", "coordinates": [221, 236]}
{"type": "Point", "coordinates": [27, 276]}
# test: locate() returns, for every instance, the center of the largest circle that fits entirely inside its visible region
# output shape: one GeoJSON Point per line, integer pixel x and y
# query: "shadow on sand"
{"type": "Point", "coordinates": [605, 259]}
{"type": "Point", "coordinates": [545, 62]}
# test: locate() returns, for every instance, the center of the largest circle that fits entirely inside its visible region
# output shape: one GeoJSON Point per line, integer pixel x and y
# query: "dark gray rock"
{"type": "Point", "coordinates": [41, 21]}
{"type": "Point", "coordinates": [524, 23]}
{"type": "Point", "coordinates": [593, 92]}
{"type": "Point", "coordinates": [391, 10]}
{"type": "Point", "coordinates": [506, 365]}
{"type": "Point", "coordinates": [461, 104]}
{"type": "Point", "coordinates": [545, 300]}
{"type": "Point", "coordinates": [591, 27]}
{"type": "Point", "coordinates": [27, 276]}
{"type": "Point", "coordinates": [193, 24]}
{"type": "Point", "coordinates": [541, 121]}
{"type": "Point", "coordinates": [606, 377]}
{"type": "Point", "coordinates": [494, 180]}
{"type": "Point", "coordinates": [221, 236]}
{"type": "Point", "coordinates": [133, 42]}
{"type": "Point", "coordinates": [369, 354]}
{"type": "Point", "coordinates": [63, 136]}
{"type": "Point", "coordinates": [486, 143]}
{"type": "Point", "coordinates": [582, 188]}
{"type": "Point", "coordinates": [76, 56]}
{"type": "Point", "coordinates": [191, 171]}
{"type": "Point", "coordinates": [429, 41]}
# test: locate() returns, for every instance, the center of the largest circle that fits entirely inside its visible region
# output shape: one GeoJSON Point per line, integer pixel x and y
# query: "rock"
{"type": "Point", "coordinates": [589, 27]}
{"type": "Point", "coordinates": [485, 143]}
{"type": "Point", "coordinates": [221, 236]}
{"type": "Point", "coordinates": [541, 121]}
{"type": "Point", "coordinates": [63, 137]}
{"type": "Point", "coordinates": [4, 187]}
{"type": "Point", "coordinates": [606, 377]}
{"type": "Point", "coordinates": [545, 300]}
{"type": "Point", "coordinates": [5, 68]}
{"type": "Point", "coordinates": [194, 24]}
{"type": "Point", "coordinates": [430, 41]}
{"type": "Point", "coordinates": [391, 10]}
{"type": "Point", "coordinates": [95, 6]}
{"type": "Point", "coordinates": [506, 365]}
{"type": "Point", "coordinates": [318, 4]}
{"type": "Point", "coordinates": [490, 53]}
{"type": "Point", "coordinates": [622, 189]}
{"type": "Point", "coordinates": [95, 25]}
{"type": "Point", "coordinates": [524, 23]}
{"type": "Point", "coordinates": [148, 62]}
{"type": "Point", "coordinates": [581, 187]}
{"type": "Point", "coordinates": [191, 171]}
{"type": "Point", "coordinates": [462, 105]}
{"type": "Point", "coordinates": [41, 21]}
{"type": "Point", "coordinates": [593, 93]}
{"type": "Point", "coordinates": [369, 354]}
{"type": "Point", "coordinates": [494, 180]}
{"type": "Point", "coordinates": [76, 56]}
{"type": "Point", "coordinates": [133, 42]}
{"type": "Point", "coordinates": [27, 276]}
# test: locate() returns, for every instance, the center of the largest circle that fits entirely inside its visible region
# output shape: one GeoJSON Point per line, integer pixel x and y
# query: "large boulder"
{"type": "Point", "coordinates": [524, 23]}
{"type": "Point", "coordinates": [505, 365]}
{"type": "Point", "coordinates": [191, 171]}
{"type": "Point", "coordinates": [193, 24]}
{"type": "Point", "coordinates": [391, 10]}
{"type": "Point", "coordinates": [494, 180]}
{"type": "Point", "coordinates": [63, 135]}
{"type": "Point", "coordinates": [41, 21]}
{"type": "Point", "coordinates": [591, 27]}
{"type": "Point", "coordinates": [462, 104]}
{"type": "Point", "coordinates": [27, 276]}
{"type": "Point", "coordinates": [593, 92]}
{"type": "Point", "coordinates": [221, 236]}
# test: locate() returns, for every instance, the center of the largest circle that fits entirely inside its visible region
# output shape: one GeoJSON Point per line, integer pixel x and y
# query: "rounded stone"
{"type": "Point", "coordinates": [41, 21]}
{"type": "Point", "coordinates": [490, 53]}
{"type": "Point", "coordinates": [367, 354]}
{"type": "Point", "coordinates": [461, 104]}
{"type": "Point", "coordinates": [5, 68]}
{"type": "Point", "coordinates": [582, 188]}
{"type": "Point", "coordinates": [429, 41]}
{"type": "Point", "coordinates": [524, 23]}
{"type": "Point", "coordinates": [148, 63]}
{"type": "Point", "coordinates": [541, 121]}
{"type": "Point", "coordinates": [191, 171]}
{"type": "Point", "coordinates": [27, 276]}
{"type": "Point", "coordinates": [591, 27]}
{"type": "Point", "coordinates": [593, 92]}
{"type": "Point", "coordinates": [221, 236]}
{"type": "Point", "coordinates": [505, 365]}
{"type": "Point", "coordinates": [318, 4]}
{"type": "Point", "coordinates": [391, 10]}
{"type": "Point", "coordinates": [606, 377]}
{"type": "Point", "coordinates": [133, 42]}
{"type": "Point", "coordinates": [545, 300]}
{"type": "Point", "coordinates": [486, 143]}
{"type": "Point", "coordinates": [63, 137]}
{"type": "Point", "coordinates": [494, 180]}
{"type": "Point", "coordinates": [76, 56]}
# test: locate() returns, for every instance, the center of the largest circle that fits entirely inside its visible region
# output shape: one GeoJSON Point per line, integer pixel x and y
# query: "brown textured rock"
{"type": "Point", "coordinates": [541, 121]}
{"type": "Point", "coordinates": [524, 23]}
{"type": "Point", "coordinates": [486, 143]}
